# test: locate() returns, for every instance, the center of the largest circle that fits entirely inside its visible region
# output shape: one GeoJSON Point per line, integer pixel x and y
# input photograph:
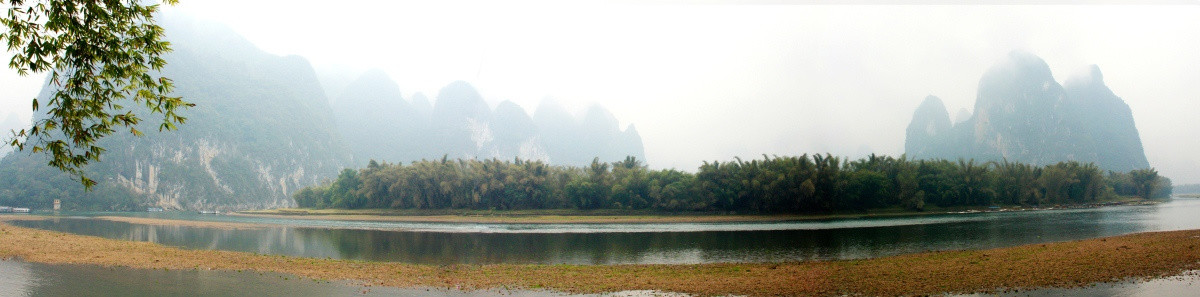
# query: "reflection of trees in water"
{"type": "Point", "coordinates": [716, 246]}
{"type": "Point", "coordinates": [580, 248]}
{"type": "Point", "coordinates": [279, 240]}
{"type": "Point", "coordinates": [608, 248]}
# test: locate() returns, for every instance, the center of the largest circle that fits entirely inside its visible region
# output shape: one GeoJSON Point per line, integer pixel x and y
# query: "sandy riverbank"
{"type": "Point", "coordinates": [186, 223]}
{"type": "Point", "coordinates": [1064, 264]}
{"type": "Point", "coordinates": [566, 216]}
{"type": "Point", "coordinates": [377, 216]}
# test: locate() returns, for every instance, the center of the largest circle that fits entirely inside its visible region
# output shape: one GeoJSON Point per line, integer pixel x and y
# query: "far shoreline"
{"type": "Point", "coordinates": [571, 216]}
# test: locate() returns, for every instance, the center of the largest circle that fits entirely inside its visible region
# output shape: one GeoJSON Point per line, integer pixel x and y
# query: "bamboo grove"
{"type": "Point", "coordinates": [791, 184]}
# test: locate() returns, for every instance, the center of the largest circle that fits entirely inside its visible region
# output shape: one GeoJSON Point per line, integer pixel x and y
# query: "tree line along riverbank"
{"type": "Point", "coordinates": [806, 184]}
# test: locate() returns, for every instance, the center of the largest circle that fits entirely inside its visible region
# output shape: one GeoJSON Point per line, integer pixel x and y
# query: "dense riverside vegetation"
{"type": "Point", "coordinates": [804, 184]}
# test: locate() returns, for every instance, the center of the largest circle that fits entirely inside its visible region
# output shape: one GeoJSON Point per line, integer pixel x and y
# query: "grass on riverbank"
{"type": "Point", "coordinates": [186, 223]}
{"type": "Point", "coordinates": [1058, 264]}
{"type": "Point", "coordinates": [545, 216]}
{"type": "Point", "coordinates": [530, 216]}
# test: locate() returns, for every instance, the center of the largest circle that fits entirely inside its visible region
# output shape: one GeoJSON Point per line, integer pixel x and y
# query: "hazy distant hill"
{"type": "Point", "coordinates": [261, 129]}
{"type": "Point", "coordinates": [10, 122]}
{"type": "Point", "coordinates": [1022, 114]}
{"type": "Point", "coordinates": [1188, 189]}
{"type": "Point", "coordinates": [380, 124]}
{"type": "Point", "coordinates": [359, 112]}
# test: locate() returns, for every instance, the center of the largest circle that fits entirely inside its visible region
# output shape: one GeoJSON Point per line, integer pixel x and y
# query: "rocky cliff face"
{"type": "Point", "coordinates": [379, 124]}
{"type": "Point", "coordinates": [929, 128]}
{"type": "Point", "coordinates": [1110, 126]}
{"type": "Point", "coordinates": [261, 129]}
{"type": "Point", "coordinates": [1022, 114]}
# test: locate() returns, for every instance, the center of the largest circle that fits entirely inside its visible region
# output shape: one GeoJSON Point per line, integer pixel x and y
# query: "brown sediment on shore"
{"type": "Point", "coordinates": [560, 216]}
{"type": "Point", "coordinates": [22, 217]}
{"type": "Point", "coordinates": [431, 219]}
{"type": "Point", "coordinates": [567, 217]}
{"type": "Point", "coordinates": [541, 219]}
{"type": "Point", "coordinates": [1064, 264]}
{"type": "Point", "coordinates": [185, 223]}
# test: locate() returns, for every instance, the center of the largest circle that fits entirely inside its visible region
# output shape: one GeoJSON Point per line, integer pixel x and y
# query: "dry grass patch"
{"type": "Point", "coordinates": [186, 223]}
{"type": "Point", "coordinates": [523, 218]}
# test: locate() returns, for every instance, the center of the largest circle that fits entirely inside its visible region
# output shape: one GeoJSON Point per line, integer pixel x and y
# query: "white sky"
{"type": "Point", "coordinates": [710, 82]}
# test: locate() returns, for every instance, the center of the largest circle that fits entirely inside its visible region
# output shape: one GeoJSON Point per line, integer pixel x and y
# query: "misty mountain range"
{"type": "Point", "coordinates": [372, 114]}
{"type": "Point", "coordinates": [1022, 114]}
{"type": "Point", "coordinates": [263, 127]}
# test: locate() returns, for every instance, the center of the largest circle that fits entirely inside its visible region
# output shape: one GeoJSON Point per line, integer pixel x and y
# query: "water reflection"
{"type": "Point", "coordinates": [680, 243]}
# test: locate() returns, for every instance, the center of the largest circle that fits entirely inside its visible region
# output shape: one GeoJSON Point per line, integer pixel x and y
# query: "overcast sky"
{"type": "Point", "coordinates": [710, 82]}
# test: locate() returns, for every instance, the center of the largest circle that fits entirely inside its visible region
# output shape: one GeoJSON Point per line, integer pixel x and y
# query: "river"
{"type": "Point", "coordinates": [660, 243]}
{"type": "Point", "coordinates": [448, 243]}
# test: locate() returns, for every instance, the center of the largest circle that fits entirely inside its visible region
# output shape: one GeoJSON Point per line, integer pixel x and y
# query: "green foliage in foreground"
{"type": "Point", "coordinates": [100, 56]}
{"type": "Point", "coordinates": [804, 184]}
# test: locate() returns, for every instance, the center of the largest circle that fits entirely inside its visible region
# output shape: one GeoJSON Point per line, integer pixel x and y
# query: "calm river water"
{"type": "Point", "coordinates": [448, 243]}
